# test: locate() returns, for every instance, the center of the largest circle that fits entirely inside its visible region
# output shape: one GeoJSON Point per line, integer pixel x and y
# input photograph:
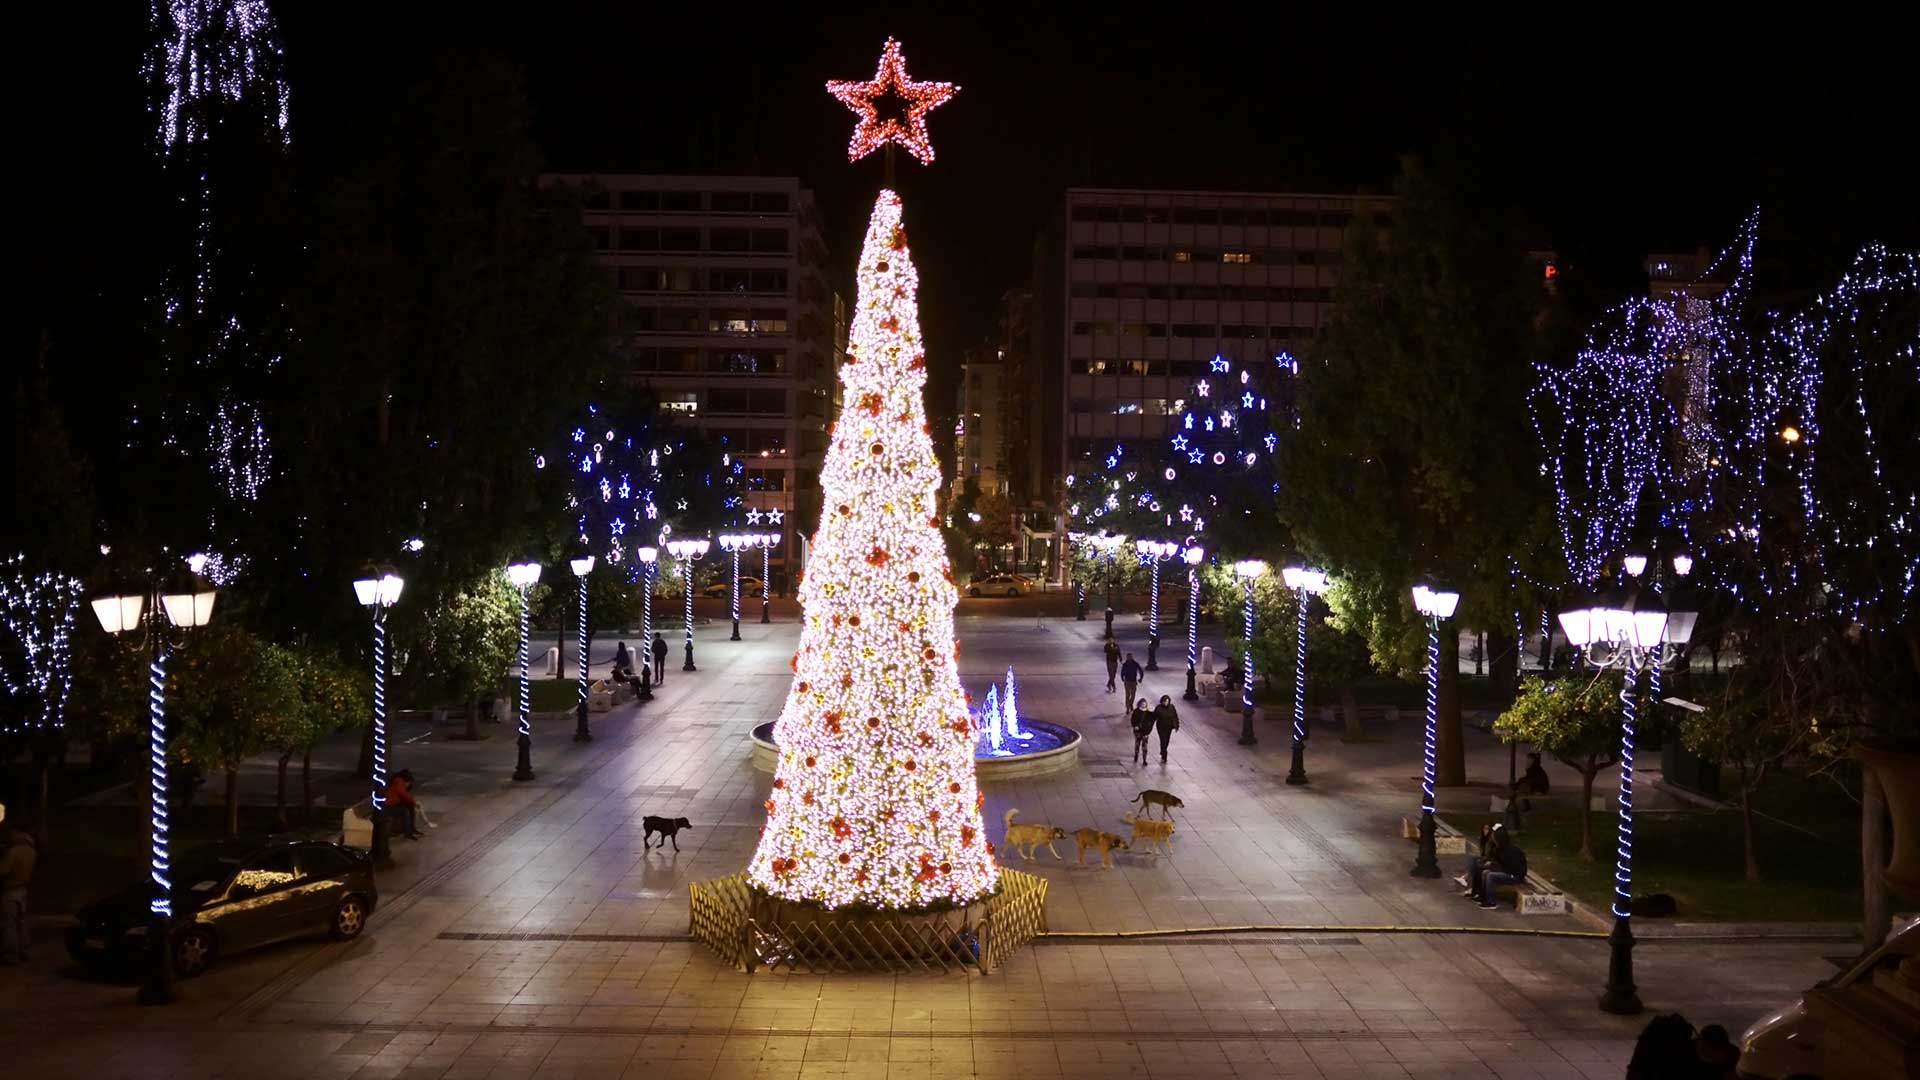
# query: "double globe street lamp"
{"type": "Point", "coordinates": [378, 591]}
{"type": "Point", "coordinates": [1628, 631]}
{"type": "Point", "coordinates": [1193, 556]}
{"type": "Point", "coordinates": [523, 576]}
{"type": "Point", "coordinates": [1437, 605]}
{"type": "Point", "coordinates": [121, 614]}
{"type": "Point", "coordinates": [733, 545]}
{"type": "Point", "coordinates": [686, 551]}
{"type": "Point", "coordinates": [1305, 583]}
{"type": "Point", "coordinates": [1152, 554]}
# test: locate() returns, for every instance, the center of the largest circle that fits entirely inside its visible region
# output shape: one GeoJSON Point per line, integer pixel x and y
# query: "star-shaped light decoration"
{"type": "Point", "coordinates": [775, 516]}
{"type": "Point", "coordinates": [753, 517]}
{"type": "Point", "coordinates": [1219, 363]}
{"type": "Point", "coordinates": [920, 98]}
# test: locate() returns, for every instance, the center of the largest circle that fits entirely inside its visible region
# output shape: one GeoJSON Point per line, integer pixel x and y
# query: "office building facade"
{"type": "Point", "coordinates": [734, 323]}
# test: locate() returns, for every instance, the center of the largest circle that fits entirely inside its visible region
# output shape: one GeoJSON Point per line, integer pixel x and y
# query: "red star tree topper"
{"type": "Point", "coordinates": [921, 98]}
{"type": "Point", "coordinates": [874, 798]}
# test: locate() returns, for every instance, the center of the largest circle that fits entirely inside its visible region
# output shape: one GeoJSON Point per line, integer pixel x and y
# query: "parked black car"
{"type": "Point", "coordinates": [232, 896]}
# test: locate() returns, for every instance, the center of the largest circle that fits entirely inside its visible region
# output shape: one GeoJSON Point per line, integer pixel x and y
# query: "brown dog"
{"type": "Point", "coordinates": [1156, 833]}
{"type": "Point", "coordinates": [1167, 801]}
{"type": "Point", "coordinates": [1030, 836]}
{"type": "Point", "coordinates": [1105, 843]}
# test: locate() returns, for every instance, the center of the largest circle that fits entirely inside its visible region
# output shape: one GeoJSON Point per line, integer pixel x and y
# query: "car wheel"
{"type": "Point", "coordinates": [192, 951]}
{"type": "Point", "coordinates": [1013, 592]}
{"type": "Point", "coordinates": [349, 919]}
{"type": "Point", "coordinates": [973, 592]}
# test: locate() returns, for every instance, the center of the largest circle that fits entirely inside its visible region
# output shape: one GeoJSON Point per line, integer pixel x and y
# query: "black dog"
{"type": "Point", "coordinates": [668, 828]}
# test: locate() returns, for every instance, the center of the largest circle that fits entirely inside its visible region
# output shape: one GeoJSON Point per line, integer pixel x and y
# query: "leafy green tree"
{"type": "Point", "coordinates": [462, 646]}
{"type": "Point", "coordinates": [1775, 707]}
{"type": "Point", "coordinates": [230, 695]}
{"type": "Point", "coordinates": [1412, 460]}
{"type": "Point", "coordinates": [1337, 659]}
{"type": "Point", "coordinates": [334, 695]}
{"type": "Point", "coordinates": [1577, 720]}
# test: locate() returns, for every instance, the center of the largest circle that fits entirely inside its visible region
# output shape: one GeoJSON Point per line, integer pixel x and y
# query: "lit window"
{"type": "Point", "coordinates": [1183, 256]}
{"type": "Point", "coordinates": [1236, 256]}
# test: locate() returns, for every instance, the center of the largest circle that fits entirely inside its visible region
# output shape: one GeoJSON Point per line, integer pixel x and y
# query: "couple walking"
{"type": "Point", "coordinates": [1164, 718]}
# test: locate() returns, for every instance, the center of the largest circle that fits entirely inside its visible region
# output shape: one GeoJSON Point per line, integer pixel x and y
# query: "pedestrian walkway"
{"type": "Point", "coordinates": [533, 935]}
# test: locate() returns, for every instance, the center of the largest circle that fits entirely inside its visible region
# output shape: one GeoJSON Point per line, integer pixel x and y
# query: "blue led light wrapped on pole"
{"type": "Point", "coordinates": [1628, 632]}
{"type": "Point", "coordinates": [650, 563]}
{"type": "Point", "coordinates": [1192, 556]}
{"type": "Point", "coordinates": [582, 730]}
{"type": "Point", "coordinates": [1437, 605]}
{"type": "Point", "coordinates": [1152, 554]}
{"type": "Point", "coordinates": [377, 591]}
{"type": "Point", "coordinates": [732, 545]}
{"type": "Point", "coordinates": [686, 551]}
{"type": "Point", "coordinates": [1305, 583]}
{"type": "Point", "coordinates": [523, 576]}
{"type": "Point", "coordinates": [767, 542]}
{"type": "Point", "coordinates": [1247, 570]}
{"type": "Point", "coordinates": [120, 615]}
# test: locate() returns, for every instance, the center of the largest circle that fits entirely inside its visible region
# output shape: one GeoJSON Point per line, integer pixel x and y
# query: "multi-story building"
{"type": "Point", "coordinates": [1137, 290]}
{"type": "Point", "coordinates": [980, 426]}
{"type": "Point", "coordinates": [734, 323]}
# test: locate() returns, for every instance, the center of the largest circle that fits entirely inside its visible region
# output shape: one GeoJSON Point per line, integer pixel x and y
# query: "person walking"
{"type": "Point", "coordinates": [659, 659]}
{"type": "Point", "coordinates": [1113, 662]}
{"type": "Point", "coordinates": [17, 856]}
{"type": "Point", "coordinates": [1166, 720]}
{"type": "Point", "coordinates": [1130, 673]}
{"type": "Point", "coordinates": [1142, 722]}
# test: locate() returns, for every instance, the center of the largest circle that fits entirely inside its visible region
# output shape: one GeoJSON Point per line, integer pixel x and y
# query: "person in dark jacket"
{"type": "Point", "coordinates": [1166, 720]}
{"type": "Point", "coordinates": [1112, 651]}
{"type": "Point", "coordinates": [1506, 866]}
{"type": "Point", "coordinates": [622, 664]}
{"type": "Point", "coordinates": [1142, 722]}
{"type": "Point", "coordinates": [659, 658]}
{"type": "Point", "coordinates": [1130, 673]}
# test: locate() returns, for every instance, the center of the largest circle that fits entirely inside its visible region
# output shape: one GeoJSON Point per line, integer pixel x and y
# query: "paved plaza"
{"type": "Point", "coordinates": [530, 935]}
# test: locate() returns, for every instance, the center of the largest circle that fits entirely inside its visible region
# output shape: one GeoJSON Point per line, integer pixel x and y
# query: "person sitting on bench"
{"type": "Point", "coordinates": [1507, 865]}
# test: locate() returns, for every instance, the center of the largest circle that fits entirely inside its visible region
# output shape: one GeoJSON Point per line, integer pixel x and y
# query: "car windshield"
{"type": "Point", "coordinates": [203, 869]}
{"type": "Point", "coordinates": [1899, 945]}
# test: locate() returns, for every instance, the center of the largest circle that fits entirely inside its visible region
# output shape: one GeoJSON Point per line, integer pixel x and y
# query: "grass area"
{"type": "Point", "coordinates": [1698, 858]}
{"type": "Point", "coordinates": [552, 695]}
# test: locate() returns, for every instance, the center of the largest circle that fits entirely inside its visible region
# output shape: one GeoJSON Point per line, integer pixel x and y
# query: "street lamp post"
{"type": "Point", "coordinates": [1247, 570]}
{"type": "Point", "coordinates": [119, 615]}
{"type": "Point", "coordinates": [687, 551]}
{"type": "Point", "coordinates": [582, 731]}
{"type": "Point", "coordinates": [1628, 633]}
{"type": "Point", "coordinates": [649, 562]}
{"type": "Point", "coordinates": [1111, 545]}
{"type": "Point", "coordinates": [733, 545]}
{"type": "Point", "coordinates": [1192, 556]}
{"type": "Point", "coordinates": [377, 592]}
{"type": "Point", "coordinates": [1305, 583]}
{"type": "Point", "coordinates": [767, 542]}
{"type": "Point", "coordinates": [523, 576]}
{"type": "Point", "coordinates": [1437, 605]}
{"type": "Point", "coordinates": [1152, 554]}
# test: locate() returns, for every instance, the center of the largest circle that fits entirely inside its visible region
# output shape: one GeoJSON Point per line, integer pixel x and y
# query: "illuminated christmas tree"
{"type": "Point", "coordinates": [874, 800]}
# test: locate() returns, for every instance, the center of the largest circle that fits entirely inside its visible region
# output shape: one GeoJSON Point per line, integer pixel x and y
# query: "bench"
{"type": "Point", "coordinates": [1532, 897]}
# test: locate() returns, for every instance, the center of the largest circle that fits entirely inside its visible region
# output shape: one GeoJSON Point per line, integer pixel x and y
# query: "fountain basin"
{"type": "Point", "coordinates": [1053, 748]}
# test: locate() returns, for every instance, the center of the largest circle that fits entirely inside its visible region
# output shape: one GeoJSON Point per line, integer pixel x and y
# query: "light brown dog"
{"type": "Point", "coordinates": [1105, 843]}
{"type": "Point", "coordinates": [1030, 837]}
{"type": "Point", "coordinates": [1156, 833]}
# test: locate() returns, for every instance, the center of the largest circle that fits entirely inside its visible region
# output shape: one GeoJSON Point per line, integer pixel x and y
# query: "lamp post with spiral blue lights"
{"type": "Point", "coordinates": [1628, 630]}
{"type": "Point", "coordinates": [1247, 570]}
{"type": "Point", "coordinates": [523, 576]}
{"type": "Point", "coordinates": [1192, 555]}
{"type": "Point", "coordinates": [581, 566]}
{"type": "Point", "coordinates": [1437, 605]}
{"type": "Point", "coordinates": [378, 591]}
{"type": "Point", "coordinates": [125, 614]}
{"type": "Point", "coordinates": [1305, 584]}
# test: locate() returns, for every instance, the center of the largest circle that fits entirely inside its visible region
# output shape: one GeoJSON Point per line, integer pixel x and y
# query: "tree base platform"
{"type": "Point", "coordinates": [750, 930]}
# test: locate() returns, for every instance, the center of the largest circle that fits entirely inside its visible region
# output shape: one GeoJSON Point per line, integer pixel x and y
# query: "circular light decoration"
{"type": "Point", "coordinates": [1219, 458]}
{"type": "Point", "coordinates": [1169, 474]}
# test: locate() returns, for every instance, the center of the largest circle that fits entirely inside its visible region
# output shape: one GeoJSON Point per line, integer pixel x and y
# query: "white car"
{"type": "Point", "coordinates": [1000, 585]}
{"type": "Point", "coordinates": [1791, 1043]}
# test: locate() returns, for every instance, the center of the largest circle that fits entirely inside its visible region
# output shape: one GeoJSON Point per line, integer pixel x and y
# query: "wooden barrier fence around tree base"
{"type": "Point", "coordinates": [750, 930]}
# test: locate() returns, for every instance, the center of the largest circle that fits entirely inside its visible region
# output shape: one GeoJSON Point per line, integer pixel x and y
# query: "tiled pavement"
{"type": "Point", "coordinates": [529, 936]}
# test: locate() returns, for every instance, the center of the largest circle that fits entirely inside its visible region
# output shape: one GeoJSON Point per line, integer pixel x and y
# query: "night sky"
{"type": "Point", "coordinates": [1611, 133]}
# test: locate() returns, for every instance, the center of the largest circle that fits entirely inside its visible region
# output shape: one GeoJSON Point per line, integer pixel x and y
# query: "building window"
{"type": "Point", "coordinates": [679, 239]}
{"type": "Point", "coordinates": [729, 202]}
{"type": "Point", "coordinates": [680, 202]}
{"type": "Point", "coordinates": [770, 241]}
{"type": "Point", "coordinates": [729, 240]}
{"type": "Point", "coordinates": [1194, 330]}
{"type": "Point", "coordinates": [598, 200]}
{"type": "Point", "coordinates": [747, 361]}
{"type": "Point", "coordinates": [639, 200]}
{"type": "Point", "coordinates": [743, 400]}
{"type": "Point", "coordinates": [767, 479]}
{"type": "Point", "coordinates": [1183, 256]}
{"type": "Point", "coordinates": [1236, 257]}
{"type": "Point", "coordinates": [769, 321]}
{"type": "Point", "coordinates": [639, 239]}
{"type": "Point", "coordinates": [769, 281]}
{"type": "Point", "coordinates": [770, 202]}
